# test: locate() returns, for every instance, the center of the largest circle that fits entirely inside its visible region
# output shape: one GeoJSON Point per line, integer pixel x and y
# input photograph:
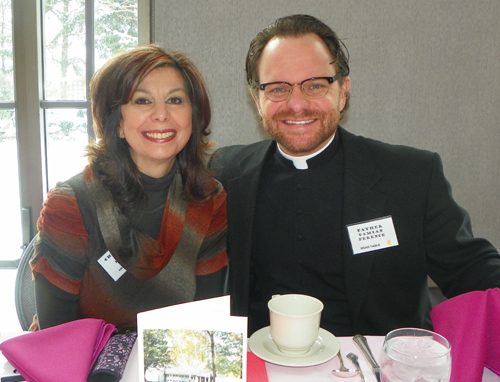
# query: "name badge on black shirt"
{"type": "Point", "coordinates": [372, 235]}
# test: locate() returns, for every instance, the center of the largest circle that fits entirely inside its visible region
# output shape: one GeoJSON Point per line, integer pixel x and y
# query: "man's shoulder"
{"type": "Point", "coordinates": [238, 157]}
{"type": "Point", "coordinates": [241, 151]}
{"type": "Point", "coordinates": [380, 149]}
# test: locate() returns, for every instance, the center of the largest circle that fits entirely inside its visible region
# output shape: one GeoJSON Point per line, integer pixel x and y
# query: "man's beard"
{"type": "Point", "coordinates": [298, 143]}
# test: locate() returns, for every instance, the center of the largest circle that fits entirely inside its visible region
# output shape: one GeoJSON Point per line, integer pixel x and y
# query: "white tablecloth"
{"type": "Point", "coordinates": [317, 373]}
{"type": "Point", "coordinates": [277, 373]}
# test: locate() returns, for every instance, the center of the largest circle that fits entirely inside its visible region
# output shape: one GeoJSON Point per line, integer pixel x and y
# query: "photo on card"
{"type": "Point", "coordinates": [198, 355]}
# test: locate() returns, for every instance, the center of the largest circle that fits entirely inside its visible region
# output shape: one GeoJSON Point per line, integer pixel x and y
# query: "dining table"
{"type": "Point", "coordinates": [317, 373]}
{"type": "Point", "coordinates": [321, 372]}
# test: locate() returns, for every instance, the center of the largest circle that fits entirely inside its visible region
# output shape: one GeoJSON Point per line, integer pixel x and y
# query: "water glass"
{"type": "Point", "coordinates": [415, 355]}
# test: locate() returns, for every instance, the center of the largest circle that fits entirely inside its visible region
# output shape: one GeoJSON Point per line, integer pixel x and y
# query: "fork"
{"type": "Point", "coordinates": [354, 359]}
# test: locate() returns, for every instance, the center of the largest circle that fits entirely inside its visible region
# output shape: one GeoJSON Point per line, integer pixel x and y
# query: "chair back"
{"type": "Point", "coordinates": [25, 288]}
{"type": "Point", "coordinates": [436, 295]}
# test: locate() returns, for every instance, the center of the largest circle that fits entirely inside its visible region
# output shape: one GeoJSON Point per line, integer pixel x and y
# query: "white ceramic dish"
{"type": "Point", "coordinates": [324, 349]}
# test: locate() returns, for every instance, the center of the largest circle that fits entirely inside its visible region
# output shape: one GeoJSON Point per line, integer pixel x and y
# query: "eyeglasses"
{"type": "Point", "coordinates": [315, 87]}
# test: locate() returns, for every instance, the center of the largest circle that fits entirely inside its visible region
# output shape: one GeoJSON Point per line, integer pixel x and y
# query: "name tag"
{"type": "Point", "coordinates": [372, 235]}
{"type": "Point", "coordinates": [111, 266]}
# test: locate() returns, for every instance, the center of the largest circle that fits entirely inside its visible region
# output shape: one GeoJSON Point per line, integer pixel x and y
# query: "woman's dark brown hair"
{"type": "Point", "coordinates": [113, 86]}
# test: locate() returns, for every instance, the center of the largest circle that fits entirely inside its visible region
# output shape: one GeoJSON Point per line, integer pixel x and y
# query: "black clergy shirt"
{"type": "Point", "coordinates": [297, 236]}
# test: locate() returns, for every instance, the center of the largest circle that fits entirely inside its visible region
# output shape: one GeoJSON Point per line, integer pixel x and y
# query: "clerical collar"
{"type": "Point", "coordinates": [300, 163]}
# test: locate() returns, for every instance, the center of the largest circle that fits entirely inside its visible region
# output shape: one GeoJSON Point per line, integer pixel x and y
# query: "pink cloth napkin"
{"type": "Point", "coordinates": [256, 369]}
{"type": "Point", "coordinates": [58, 354]}
{"type": "Point", "coordinates": [471, 322]}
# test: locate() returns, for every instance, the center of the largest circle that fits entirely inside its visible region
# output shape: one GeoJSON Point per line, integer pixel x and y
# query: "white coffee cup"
{"type": "Point", "coordinates": [295, 322]}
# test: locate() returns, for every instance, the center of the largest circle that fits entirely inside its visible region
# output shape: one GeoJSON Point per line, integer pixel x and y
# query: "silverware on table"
{"type": "Point", "coordinates": [365, 349]}
{"type": "Point", "coordinates": [343, 372]}
{"type": "Point", "coordinates": [354, 359]}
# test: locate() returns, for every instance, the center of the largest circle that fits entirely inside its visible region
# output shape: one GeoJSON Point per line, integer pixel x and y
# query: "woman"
{"type": "Point", "coordinates": [144, 225]}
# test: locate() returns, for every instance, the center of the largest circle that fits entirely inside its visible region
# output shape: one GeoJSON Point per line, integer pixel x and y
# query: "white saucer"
{"type": "Point", "coordinates": [324, 349]}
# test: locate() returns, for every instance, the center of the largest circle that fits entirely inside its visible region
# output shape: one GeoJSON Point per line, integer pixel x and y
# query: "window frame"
{"type": "Point", "coordinates": [30, 105]}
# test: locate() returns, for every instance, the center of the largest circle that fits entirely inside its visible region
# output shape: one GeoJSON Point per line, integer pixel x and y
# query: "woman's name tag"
{"type": "Point", "coordinates": [110, 265]}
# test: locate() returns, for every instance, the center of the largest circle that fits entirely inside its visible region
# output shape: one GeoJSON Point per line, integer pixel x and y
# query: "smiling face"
{"type": "Point", "coordinates": [157, 122]}
{"type": "Point", "coordinates": [300, 125]}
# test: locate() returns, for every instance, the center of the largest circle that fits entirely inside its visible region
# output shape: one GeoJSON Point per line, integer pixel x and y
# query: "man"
{"type": "Point", "coordinates": [355, 222]}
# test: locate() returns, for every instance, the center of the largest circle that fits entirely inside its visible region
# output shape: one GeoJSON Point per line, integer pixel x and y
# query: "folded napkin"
{"type": "Point", "coordinates": [58, 354]}
{"type": "Point", "coordinates": [256, 369]}
{"type": "Point", "coordinates": [471, 322]}
{"type": "Point", "coordinates": [111, 363]}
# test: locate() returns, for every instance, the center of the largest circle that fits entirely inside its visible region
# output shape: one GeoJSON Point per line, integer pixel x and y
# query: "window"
{"type": "Point", "coordinates": [67, 69]}
{"type": "Point", "coordinates": [49, 50]}
{"type": "Point", "coordinates": [10, 223]}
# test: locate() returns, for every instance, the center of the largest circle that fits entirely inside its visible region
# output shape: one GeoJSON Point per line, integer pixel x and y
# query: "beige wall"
{"type": "Point", "coordinates": [425, 73]}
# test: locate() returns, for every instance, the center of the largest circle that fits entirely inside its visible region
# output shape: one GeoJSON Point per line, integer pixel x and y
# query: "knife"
{"type": "Point", "coordinates": [365, 349]}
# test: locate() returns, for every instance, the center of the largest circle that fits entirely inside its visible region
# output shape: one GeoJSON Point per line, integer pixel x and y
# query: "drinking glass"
{"type": "Point", "coordinates": [415, 355]}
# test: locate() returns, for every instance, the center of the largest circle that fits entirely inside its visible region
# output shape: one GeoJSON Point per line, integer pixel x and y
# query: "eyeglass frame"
{"type": "Point", "coordinates": [330, 80]}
